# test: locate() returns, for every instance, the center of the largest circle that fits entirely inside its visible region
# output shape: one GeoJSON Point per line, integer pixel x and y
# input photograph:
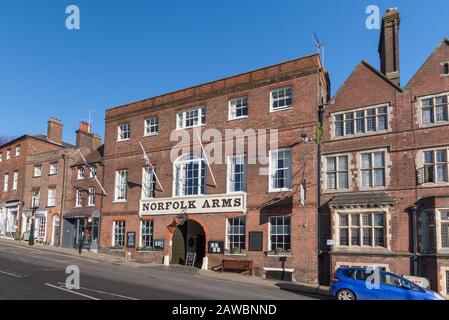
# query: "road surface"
{"type": "Point", "coordinates": [30, 274]}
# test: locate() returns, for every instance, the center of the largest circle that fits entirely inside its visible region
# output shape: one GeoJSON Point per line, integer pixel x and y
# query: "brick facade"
{"type": "Point", "coordinates": [309, 86]}
{"type": "Point", "coordinates": [403, 142]}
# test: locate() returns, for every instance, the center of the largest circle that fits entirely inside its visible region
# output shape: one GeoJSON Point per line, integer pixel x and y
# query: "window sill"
{"type": "Point", "coordinates": [279, 190]}
{"type": "Point", "coordinates": [146, 251]}
{"type": "Point", "coordinates": [237, 118]}
{"type": "Point", "coordinates": [431, 125]}
{"type": "Point", "coordinates": [360, 135]}
{"type": "Point", "coordinates": [229, 254]}
{"type": "Point", "coordinates": [123, 140]}
{"type": "Point", "coordinates": [187, 128]}
{"type": "Point", "coordinates": [151, 135]}
{"type": "Point", "coordinates": [117, 249]}
{"type": "Point", "coordinates": [280, 109]}
{"type": "Point", "coordinates": [279, 255]}
{"type": "Point", "coordinates": [120, 201]}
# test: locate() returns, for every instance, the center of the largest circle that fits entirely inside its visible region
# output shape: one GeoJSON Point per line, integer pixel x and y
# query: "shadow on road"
{"type": "Point", "coordinates": [304, 291]}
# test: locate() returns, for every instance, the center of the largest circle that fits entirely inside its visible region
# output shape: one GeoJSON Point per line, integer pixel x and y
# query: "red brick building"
{"type": "Point", "coordinates": [238, 208]}
{"type": "Point", "coordinates": [85, 196]}
{"type": "Point", "coordinates": [384, 167]}
{"type": "Point", "coordinates": [14, 176]}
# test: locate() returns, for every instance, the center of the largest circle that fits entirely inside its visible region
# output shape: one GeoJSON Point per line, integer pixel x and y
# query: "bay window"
{"type": "Point", "coordinates": [361, 229]}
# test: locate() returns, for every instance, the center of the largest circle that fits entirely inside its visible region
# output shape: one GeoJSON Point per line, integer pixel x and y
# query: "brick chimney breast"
{"type": "Point", "coordinates": [54, 130]}
{"type": "Point", "coordinates": [86, 141]}
{"type": "Point", "coordinates": [389, 46]}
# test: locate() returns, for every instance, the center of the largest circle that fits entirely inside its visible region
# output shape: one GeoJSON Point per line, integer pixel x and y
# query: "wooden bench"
{"type": "Point", "coordinates": [242, 265]}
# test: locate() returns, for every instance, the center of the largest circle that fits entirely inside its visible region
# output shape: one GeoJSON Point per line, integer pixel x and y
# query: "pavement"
{"type": "Point", "coordinates": [38, 272]}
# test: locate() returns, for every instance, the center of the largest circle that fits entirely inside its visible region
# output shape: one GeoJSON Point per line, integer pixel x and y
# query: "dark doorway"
{"type": "Point", "coordinates": [189, 237]}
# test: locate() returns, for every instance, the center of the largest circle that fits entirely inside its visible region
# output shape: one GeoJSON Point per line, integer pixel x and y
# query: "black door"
{"type": "Point", "coordinates": [200, 250]}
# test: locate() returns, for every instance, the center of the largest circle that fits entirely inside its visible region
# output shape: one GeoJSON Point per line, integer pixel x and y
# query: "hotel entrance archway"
{"type": "Point", "coordinates": [188, 237]}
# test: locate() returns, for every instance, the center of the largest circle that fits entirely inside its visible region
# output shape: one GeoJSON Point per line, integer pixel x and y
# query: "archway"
{"type": "Point", "coordinates": [188, 237]}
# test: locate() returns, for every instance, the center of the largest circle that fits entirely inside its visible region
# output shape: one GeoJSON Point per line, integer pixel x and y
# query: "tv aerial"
{"type": "Point", "coordinates": [319, 46]}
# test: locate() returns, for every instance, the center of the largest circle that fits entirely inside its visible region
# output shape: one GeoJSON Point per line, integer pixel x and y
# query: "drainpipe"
{"type": "Point", "coordinates": [64, 158]}
{"type": "Point", "coordinates": [415, 209]}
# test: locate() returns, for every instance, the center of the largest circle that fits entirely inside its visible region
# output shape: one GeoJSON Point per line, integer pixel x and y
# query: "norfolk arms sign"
{"type": "Point", "coordinates": [197, 204]}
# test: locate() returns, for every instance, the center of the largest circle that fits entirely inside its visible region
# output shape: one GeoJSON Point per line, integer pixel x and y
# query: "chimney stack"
{"type": "Point", "coordinates": [86, 141]}
{"type": "Point", "coordinates": [54, 130]}
{"type": "Point", "coordinates": [389, 46]}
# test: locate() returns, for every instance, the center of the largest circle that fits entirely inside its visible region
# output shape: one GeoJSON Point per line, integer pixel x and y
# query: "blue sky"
{"type": "Point", "coordinates": [131, 50]}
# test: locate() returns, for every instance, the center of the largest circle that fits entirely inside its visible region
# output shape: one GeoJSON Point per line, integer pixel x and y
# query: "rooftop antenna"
{"type": "Point", "coordinates": [89, 121]}
{"type": "Point", "coordinates": [319, 46]}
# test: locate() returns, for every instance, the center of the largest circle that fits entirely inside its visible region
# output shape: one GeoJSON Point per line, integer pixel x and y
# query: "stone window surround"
{"type": "Point", "coordinates": [388, 165]}
{"type": "Point", "coordinates": [351, 176]}
{"type": "Point", "coordinates": [437, 216]}
{"type": "Point", "coordinates": [387, 229]}
{"type": "Point", "coordinates": [338, 264]}
{"type": "Point", "coordinates": [357, 135]}
{"type": "Point", "coordinates": [420, 164]}
{"type": "Point", "coordinates": [443, 281]}
{"type": "Point", "coordinates": [418, 108]}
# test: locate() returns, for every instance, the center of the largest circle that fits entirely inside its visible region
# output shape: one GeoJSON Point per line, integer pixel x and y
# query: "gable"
{"type": "Point", "coordinates": [429, 79]}
{"type": "Point", "coordinates": [364, 87]}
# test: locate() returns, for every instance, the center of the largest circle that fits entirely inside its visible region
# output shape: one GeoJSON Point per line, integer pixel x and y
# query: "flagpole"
{"type": "Point", "coordinates": [151, 165]}
{"type": "Point", "coordinates": [205, 157]}
{"type": "Point", "coordinates": [90, 170]}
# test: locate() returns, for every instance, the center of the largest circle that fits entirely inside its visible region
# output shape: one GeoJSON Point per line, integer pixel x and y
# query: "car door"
{"type": "Point", "coordinates": [363, 289]}
{"type": "Point", "coordinates": [393, 287]}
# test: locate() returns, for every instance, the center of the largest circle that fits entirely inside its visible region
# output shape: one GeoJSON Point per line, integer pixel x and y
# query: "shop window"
{"type": "Point", "coordinates": [118, 234]}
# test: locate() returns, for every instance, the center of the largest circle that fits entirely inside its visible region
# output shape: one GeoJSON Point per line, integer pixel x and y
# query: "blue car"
{"type": "Point", "coordinates": [365, 284]}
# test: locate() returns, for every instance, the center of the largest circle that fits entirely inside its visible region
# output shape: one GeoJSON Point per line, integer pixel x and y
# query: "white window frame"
{"type": "Point", "coordinates": [279, 234]}
{"type": "Point", "coordinates": [181, 118]}
{"type": "Point", "coordinates": [150, 234]}
{"type": "Point", "coordinates": [121, 227]}
{"type": "Point", "coordinates": [53, 169]}
{"type": "Point", "coordinates": [242, 244]}
{"type": "Point", "coordinates": [151, 126]}
{"type": "Point", "coordinates": [272, 173]}
{"type": "Point", "coordinates": [373, 169]}
{"type": "Point", "coordinates": [1, 156]}
{"type": "Point", "coordinates": [148, 182]}
{"type": "Point", "coordinates": [36, 198]}
{"type": "Point", "coordinates": [92, 194]}
{"type": "Point", "coordinates": [353, 120]}
{"type": "Point", "coordinates": [434, 121]}
{"type": "Point", "coordinates": [121, 185]}
{"type": "Point", "coordinates": [231, 173]}
{"type": "Point", "coordinates": [18, 150]}
{"type": "Point", "coordinates": [15, 181]}
{"type": "Point", "coordinates": [435, 166]}
{"type": "Point", "coordinates": [80, 173]}
{"type": "Point", "coordinates": [179, 166]}
{"type": "Point", "coordinates": [93, 172]}
{"type": "Point", "coordinates": [232, 108]}
{"type": "Point", "coordinates": [79, 198]}
{"type": "Point", "coordinates": [285, 97]}
{"type": "Point", "coordinates": [337, 172]}
{"type": "Point", "coordinates": [37, 171]}
{"type": "Point", "coordinates": [51, 197]}
{"type": "Point", "coordinates": [360, 227]}
{"type": "Point", "coordinates": [124, 132]}
{"type": "Point", "coordinates": [6, 182]}
{"type": "Point", "coordinates": [8, 154]}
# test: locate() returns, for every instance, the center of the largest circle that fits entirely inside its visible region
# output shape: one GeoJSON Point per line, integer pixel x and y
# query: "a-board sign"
{"type": "Point", "coordinates": [216, 247]}
{"type": "Point", "coordinates": [131, 240]}
{"type": "Point", "coordinates": [190, 259]}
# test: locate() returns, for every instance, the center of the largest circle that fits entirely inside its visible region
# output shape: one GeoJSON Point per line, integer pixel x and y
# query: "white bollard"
{"type": "Point", "coordinates": [166, 260]}
{"type": "Point", "coordinates": [205, 263]}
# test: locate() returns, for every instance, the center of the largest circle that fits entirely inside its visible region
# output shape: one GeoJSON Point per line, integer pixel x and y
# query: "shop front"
{"type": "Point", "coordinates": [81, 226]}
{"type": "Point", "coordinates": [9, 214]}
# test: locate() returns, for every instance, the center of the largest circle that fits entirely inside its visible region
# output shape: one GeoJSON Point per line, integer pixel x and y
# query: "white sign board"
{"type": "Point", "coordinates": [198, 204]}
{"type": "Point", "coordinates": [331, 242]}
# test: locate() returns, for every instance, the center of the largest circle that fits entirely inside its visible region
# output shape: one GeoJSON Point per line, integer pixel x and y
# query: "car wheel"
{"type": "Point", "coordinates": [345, 295]}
